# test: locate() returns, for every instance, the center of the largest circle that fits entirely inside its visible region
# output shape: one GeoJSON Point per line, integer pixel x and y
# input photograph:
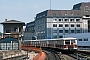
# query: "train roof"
{"type": "Point", "coordinates": [52, 39]}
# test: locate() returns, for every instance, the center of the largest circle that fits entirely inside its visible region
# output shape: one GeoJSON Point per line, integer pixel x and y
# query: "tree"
{"type": "Point", "coordinates": [0, 34]}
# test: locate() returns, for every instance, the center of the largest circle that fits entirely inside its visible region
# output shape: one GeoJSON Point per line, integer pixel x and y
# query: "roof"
{"type": "Point", "coordinates": [8, 40]}
{"type": "Point", "coordinates": [69, 38]}
{"type": "Point", "coordinates": [59, 13]}
{"type": "Point", "coordinates": [13, 21]}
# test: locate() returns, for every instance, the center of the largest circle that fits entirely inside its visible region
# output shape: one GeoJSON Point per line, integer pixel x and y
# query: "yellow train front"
{"type": "Point", "coordinates": [69, 44]}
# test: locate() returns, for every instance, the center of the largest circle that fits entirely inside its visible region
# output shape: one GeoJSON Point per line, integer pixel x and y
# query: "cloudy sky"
{"type": "Point", "coordinates": [26, 10]}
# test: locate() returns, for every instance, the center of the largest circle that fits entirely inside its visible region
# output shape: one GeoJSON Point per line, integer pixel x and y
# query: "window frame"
{"type": "Point", "coordinates": [54, 25]}
{"type": "Point", "coordinates": [72, 25]}
{"type": "Point", "coordinates": [60, 25]}
{"type": "Point", "coordinates": [66, 25]}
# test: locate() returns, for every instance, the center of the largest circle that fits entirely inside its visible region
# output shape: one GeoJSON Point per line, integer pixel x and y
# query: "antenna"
{"type": "Point", "coordinates": [50, 4]}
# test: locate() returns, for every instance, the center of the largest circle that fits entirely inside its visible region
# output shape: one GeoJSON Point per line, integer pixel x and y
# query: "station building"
{"type": "Point", "coordinates": [12, 35]}
{"type": "Point", "coordinates": [13, 28]}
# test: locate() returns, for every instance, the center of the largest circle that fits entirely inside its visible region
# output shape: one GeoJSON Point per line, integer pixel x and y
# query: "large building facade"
{"type": "Point", "coordinates": [52, 24]}
{"type": "Point", "coordinates": [57, 23]}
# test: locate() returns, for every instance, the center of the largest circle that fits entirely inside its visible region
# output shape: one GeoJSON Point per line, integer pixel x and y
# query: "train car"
{"type": "Point", "coordinates": [60, 43]}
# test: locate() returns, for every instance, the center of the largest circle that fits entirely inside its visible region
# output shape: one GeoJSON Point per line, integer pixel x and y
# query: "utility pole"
{"type": "Point", "coordinates": [50, 4]}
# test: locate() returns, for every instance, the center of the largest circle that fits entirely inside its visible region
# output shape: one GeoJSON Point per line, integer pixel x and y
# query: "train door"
{"type": "Point", "coordinates": [66, 44]}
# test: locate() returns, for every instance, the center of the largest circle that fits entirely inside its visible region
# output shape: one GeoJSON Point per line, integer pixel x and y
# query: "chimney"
{"type": "Point", "coordinates": [5, 20]}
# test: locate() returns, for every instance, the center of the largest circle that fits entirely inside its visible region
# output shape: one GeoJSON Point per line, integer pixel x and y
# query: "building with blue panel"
{"type": "Point", "coordinates": [9, 43]}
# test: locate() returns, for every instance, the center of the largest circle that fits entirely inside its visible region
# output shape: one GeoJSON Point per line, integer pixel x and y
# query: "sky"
{"type": "Point", "coordinates": [26, 10]}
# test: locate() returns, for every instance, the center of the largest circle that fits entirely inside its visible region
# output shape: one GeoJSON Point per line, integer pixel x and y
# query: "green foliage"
{"type": "Point", "coordinates": [0, 34]}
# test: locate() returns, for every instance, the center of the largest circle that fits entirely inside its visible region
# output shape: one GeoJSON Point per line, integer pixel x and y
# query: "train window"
{"type": "Point", "coordinates": [72, 41]}
{"type": "Point", "coordinates": [86, 39]}
{"type": "Point", "coordinates": [80, 39]}
{"type": "Point", "coordinates": [67, 42]}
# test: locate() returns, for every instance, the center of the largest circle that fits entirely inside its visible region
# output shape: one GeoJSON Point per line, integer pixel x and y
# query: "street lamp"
{"type": "Point", "coordinates": [35, 37]}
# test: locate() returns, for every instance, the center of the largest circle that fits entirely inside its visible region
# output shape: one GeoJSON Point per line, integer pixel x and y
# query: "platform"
{"type": "Point", "coordinates": [5, 55]}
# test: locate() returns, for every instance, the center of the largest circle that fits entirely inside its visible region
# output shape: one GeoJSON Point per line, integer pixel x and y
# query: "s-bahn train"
{"type": "Point", "coordinates": [60, 43]}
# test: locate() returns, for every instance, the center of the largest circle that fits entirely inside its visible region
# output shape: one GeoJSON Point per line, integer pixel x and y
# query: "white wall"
{"type": "Point", "coordinates": [81, 36]}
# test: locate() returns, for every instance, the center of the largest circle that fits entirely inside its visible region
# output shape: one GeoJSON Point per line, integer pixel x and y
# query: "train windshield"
{"type": "Point", "coordinates": [67, 41]}
{"type": "Point", "coordinates": [72, 41]}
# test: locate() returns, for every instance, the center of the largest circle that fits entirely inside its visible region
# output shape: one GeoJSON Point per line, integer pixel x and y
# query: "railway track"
{"type": "Point", "coordinates": [80, 56]}
{"type": "Point", "coordinates": [52, 55]}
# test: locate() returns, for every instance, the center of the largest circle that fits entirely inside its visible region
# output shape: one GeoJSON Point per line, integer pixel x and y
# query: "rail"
{"type": "Point", "coordinates": [52, 54]}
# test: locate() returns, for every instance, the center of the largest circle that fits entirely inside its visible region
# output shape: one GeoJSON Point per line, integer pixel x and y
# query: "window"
{"type": "Point", "coordinates": [87, 15]}
{"type": "Point", "coordinates": [66, 31]}
{"type": "Point", "coordinates": [78, 25]}
{"type": "Point", "coordinates": [78, 20]}
{"type": "Point", "coordinates": [72, 31]}
{"type": "Point", "coordinates": [15, 45]}
{"type": "Point", "coordinates": [8, 46]}
{"type": "Point", "coordinates": [55, 36]}
{"type": "Point", "coordinates": [54, 25]}
{"type": "Point", "coordinates": [66, 25]}
{"type": "Point", "coordinates": [3, 46]}
{"type": "Point", "coordinates": [71, 20]}
{"type": "Point", "coordinates": [54, 31]}
{"type": "Point", "coordinates": [78, 31]}
{"type": "Point", "coordinates": [86, 39]}
{"type": "Point", "coordinates": [67, 42]}
{"type": "Point", "coordinates": [40, 16]}
{"type": "Point", "coordinates": [66, 14]}
{"type": "Point", "coordinates": [60, 25]}
{"type": "Point", "coordinates": [8, 30]}
{"type": "Point", "coordinates": [65, 19]}
{"type": "Point", "coordinates": [72, 25]}
{"type": "Point", "coordinates": [79, 39]}
{"type": "Point", "coordinates": [86, 8]}
{"type": "Point", "coordinates": [60, 31]}
{"type": "Point", "coordinates": [71, 14]}
{"type": "Point", "coordinates": [16, 29]}
{"type": "Point", "coordinates": [54, 14]}
{"type": "Point", "coordinates": [72, 41]}
{"type": "Point", "coordinates": [60, 19]}
{"type": "Point", "coordinates": [60, 36]}
{"type": "Point", "coordinates": [77, 14]}
{"type": "Point", "coordinates": [54, 19]}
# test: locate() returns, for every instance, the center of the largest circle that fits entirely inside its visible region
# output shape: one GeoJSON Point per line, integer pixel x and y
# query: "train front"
{"type": "Point", "coordinates": [70, 45]}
